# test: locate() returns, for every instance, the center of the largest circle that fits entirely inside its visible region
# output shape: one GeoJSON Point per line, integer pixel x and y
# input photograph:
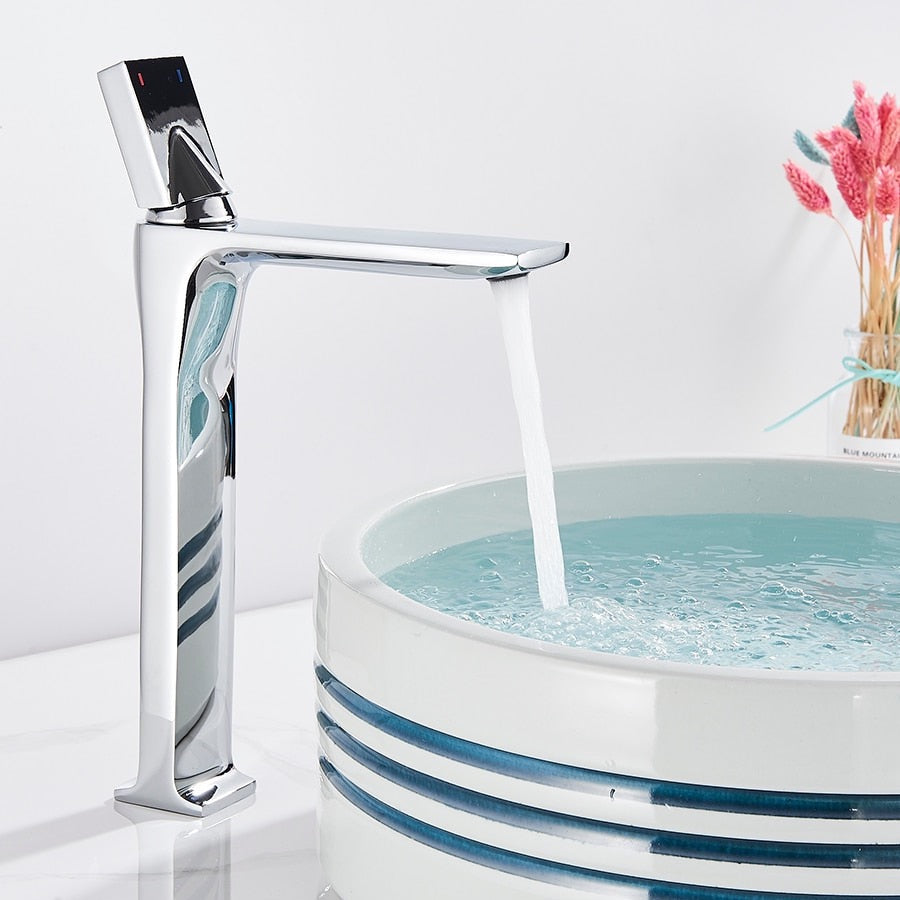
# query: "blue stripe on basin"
{"type": "Point", "coordinates": [884, 807]}
{"type": "Point", "coordinates": [548, 871]}
{"type": "Point", "coordinates": [666, 843]}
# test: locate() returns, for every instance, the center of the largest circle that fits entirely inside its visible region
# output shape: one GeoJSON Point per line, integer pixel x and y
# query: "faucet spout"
{"type": "Point", "coordinates": [193, 262]}
{"type": "Point", "coordinates": [363, 249]}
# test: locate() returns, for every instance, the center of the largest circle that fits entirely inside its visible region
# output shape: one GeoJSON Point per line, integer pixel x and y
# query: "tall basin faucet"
{"type": "Point", "coordinates": [193, 261]}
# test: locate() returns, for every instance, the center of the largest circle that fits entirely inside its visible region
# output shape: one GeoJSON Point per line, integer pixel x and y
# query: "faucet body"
{"type": "Point", "coordinates": [193, 261]}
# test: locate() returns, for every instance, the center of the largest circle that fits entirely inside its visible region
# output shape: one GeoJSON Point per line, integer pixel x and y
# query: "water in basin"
{"type": "Point", "coordinates": [764, 591]}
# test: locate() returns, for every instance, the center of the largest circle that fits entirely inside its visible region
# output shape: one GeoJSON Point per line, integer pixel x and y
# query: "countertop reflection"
{"type": "Point", "coordinates": [68, 736]}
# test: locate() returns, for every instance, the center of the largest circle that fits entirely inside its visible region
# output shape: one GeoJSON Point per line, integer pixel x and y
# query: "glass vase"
{"type": "Point", "coordinates": [864, 417]}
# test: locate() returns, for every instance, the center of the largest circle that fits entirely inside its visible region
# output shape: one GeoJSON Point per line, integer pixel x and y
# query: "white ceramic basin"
{"type": "Point", "coordinates": [462, 762]}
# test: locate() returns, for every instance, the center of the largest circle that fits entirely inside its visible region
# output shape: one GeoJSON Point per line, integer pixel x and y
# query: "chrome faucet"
{"type": "Point", "coordinates": [193, 261]}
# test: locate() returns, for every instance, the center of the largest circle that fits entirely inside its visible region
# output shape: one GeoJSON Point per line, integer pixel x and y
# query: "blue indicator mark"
{"type": "Point", "coordinates": [180, 77]}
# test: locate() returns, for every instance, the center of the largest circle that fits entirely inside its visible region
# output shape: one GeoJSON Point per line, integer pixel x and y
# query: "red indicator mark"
{"type": "Point", "coordinates": [141, 79]}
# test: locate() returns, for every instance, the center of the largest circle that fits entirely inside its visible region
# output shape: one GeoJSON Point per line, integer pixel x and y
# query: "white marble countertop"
{"type": "Point", "coordinates": [68, 736]}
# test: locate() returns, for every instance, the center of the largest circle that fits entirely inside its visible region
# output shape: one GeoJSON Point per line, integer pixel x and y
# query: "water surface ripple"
{"type": "Point", "coordinates": [763, 591]}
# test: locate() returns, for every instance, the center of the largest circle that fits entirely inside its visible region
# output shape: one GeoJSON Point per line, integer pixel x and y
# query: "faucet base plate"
{"type": "Point", "coordinates": [200, 796]}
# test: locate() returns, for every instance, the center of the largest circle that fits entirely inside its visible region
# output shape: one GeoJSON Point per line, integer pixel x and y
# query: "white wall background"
{"type": "Point", "coordinates": [699, 302]}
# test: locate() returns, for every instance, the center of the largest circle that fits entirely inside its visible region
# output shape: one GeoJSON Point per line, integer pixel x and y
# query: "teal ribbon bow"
{"type": "Point", "coordinates": [859, 371]}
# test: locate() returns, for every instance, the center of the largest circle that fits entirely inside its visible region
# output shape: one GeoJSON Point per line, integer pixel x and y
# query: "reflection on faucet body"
{"type": "Point", "coordinates": [193, 261]}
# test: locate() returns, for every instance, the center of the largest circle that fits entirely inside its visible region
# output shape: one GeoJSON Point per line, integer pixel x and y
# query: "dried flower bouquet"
{"type": "Point", "coordinates": [863, 153]}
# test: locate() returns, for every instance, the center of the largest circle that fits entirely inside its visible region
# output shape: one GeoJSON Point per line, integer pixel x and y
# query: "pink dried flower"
{"type": "Point", "coordinates": [863, 160]}
{"type": "Point", "coordinates": [859, 90]}
{"type": "Point", "coordinates": [887, 191]}
{"type": "Point", "coordinates": [809, 192]}
{"type": "Point", "coordinates": [885, 108]}
{"type": "Point", "coordinates": [890, 136]}
{"type": "Point", "coordinates": [866, 112]}
{"type": "Point", "coordinates": [828, 140]}
{"type": "Point", "coordinates": [848, 180]}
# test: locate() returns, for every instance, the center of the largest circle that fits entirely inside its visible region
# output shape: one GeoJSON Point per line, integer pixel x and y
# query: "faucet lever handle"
{"type": "Point", "coordinates": [191, 175]}
{"type": "Point", "coordinates": [164, 142]}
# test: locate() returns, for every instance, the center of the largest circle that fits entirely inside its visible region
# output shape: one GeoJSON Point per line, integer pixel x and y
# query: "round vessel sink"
{"type": "Point", "coordinates": [459, 761]}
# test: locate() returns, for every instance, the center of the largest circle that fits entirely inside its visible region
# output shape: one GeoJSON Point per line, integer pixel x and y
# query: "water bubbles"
{"type": "Point", "coordinates": [490, 577]}
{"type": "Point", "coordinates": [717, 590]}
{"type": "Point", "coordinates": [594, 605]}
